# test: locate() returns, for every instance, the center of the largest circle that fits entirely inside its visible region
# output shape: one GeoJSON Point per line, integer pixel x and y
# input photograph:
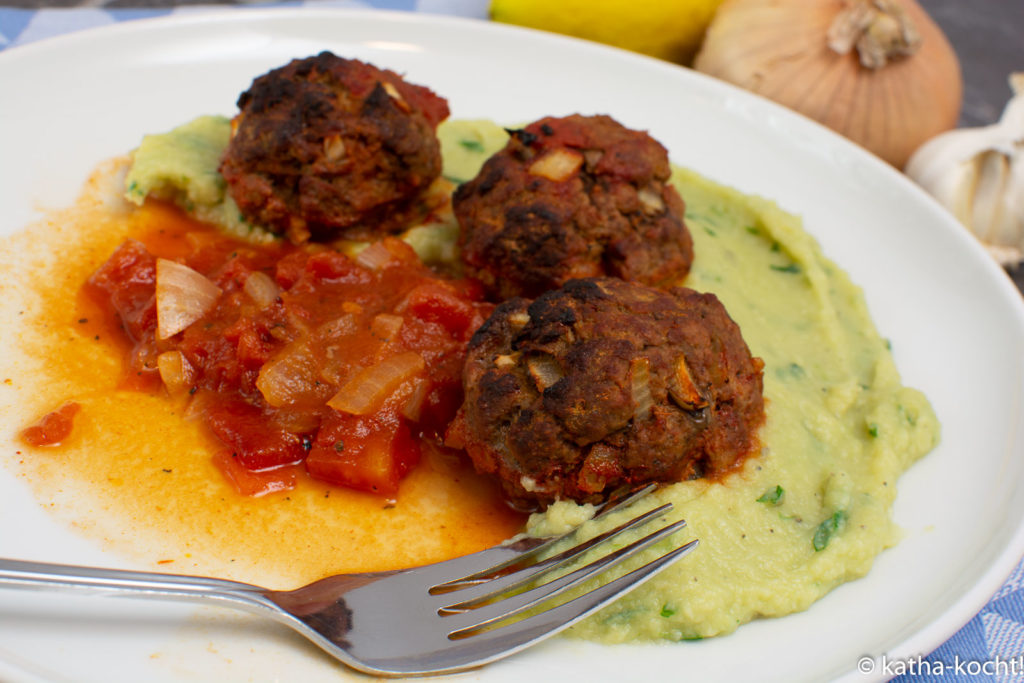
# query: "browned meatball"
{"type": "Point", "coordinates": [605, 383]}
{"type": "Point", "coordinates": [328, 147]}
{"type": "Point", "coordinates": [572, 197]}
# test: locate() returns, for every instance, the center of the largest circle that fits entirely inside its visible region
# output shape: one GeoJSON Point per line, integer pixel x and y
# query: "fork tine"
{"type": "Point", "coordinates": [622, 499]}
{"type": "Point", "coordinates": [521, 634]}
{"type": "Point", "coordinates": [517, 577]}
{"type": "Point", "coordinates": [493, 612]}
{"type": "Point", "coordinates": [496, 561]}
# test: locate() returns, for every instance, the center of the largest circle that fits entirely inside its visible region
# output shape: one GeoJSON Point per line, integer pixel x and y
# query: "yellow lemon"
{"type": "Point", "coordinates": [669, 29]}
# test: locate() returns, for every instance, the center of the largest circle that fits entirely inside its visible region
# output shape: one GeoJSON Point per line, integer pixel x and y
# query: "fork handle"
{"type": "Point", "coordinates": [42, 575]}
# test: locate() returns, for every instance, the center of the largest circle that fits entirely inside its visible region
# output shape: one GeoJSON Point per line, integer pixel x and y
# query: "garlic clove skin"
{"type": "Point", "coordinates": [940, 165]}
{"type": "Point", "coordinates": [978, 174]}
{"type": "Point", "coordinates": [986, 211]}
{"type": "Point", "coordinates": [1013, 115]}
{"type": "Point", "coordinates": [1013, 228]}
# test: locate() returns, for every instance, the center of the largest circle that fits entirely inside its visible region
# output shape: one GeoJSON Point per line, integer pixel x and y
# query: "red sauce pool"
{"type": "Point", "coordinates": [138, 470]}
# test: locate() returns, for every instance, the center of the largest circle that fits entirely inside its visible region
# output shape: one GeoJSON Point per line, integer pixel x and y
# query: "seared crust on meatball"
{"type": "Point", "coordinates": [573, 197]}
{"type": "Point", "coordinates": [327, 147]}
{"type": "Point", "coordinates": [605, 383]}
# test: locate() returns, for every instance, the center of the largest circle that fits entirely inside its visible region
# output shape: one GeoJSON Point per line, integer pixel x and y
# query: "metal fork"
{"type": "Point", "coordinates": [439, 618]}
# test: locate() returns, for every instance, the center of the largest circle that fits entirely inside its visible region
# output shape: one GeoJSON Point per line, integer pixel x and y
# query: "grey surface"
{"type": "Point", "coordinates": [988, 36]}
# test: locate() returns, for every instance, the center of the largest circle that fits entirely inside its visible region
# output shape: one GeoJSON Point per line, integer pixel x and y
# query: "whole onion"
{"type": "Point", "coordinates": [879, 72]}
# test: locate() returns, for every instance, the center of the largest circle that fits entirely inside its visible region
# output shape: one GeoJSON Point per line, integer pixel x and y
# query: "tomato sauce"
{"type": "Point", "coordinates": [302, 356]}
{"type": "Point", "coordinates": [142, 476]}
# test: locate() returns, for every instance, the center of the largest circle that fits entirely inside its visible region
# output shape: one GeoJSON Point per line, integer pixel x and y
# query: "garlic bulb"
{"type": "Point", "coordinates": [879, 72]}
{"type": "Point", "coordinates": [978, 174]}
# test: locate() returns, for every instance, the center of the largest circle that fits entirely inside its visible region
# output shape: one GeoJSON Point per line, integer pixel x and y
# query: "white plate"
{"type": "Point", "coordinates": [955, 321]}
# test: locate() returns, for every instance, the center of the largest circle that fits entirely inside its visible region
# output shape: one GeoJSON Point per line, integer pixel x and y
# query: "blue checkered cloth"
{"type": "Point", "coordinates": [989, 648]}
{"type": "Point", "coordinates": [995, 635]}
{"type": "Point", "coordinates": [20, 26]}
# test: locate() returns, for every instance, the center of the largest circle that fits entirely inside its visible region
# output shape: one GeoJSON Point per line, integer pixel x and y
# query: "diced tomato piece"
{"type": "Point", "coordinates": [368, 453]}
{"type": "Point", "coordinates": [252, 351]}
{"type": "Point", "coordinates": [402, 251]}
{"type": "Point", "coordinates": [289, 269]}
{"type": "Point", "coordinates": [52, 428]}
{"type": "Point", "coordinates": [142, 371]}
{"type": "Point", "coordinates": [434, 302]}
{"type": "Point", "coordinates": [234, 271]}
{"type": "Point", "coordinates": [258, 443]}
{"type": "Point", "coordinates": [128, 281]}
{"type": "Point", "coordinates": [255, 484]}
{"type": "Point", "coordinates": [332, 266]}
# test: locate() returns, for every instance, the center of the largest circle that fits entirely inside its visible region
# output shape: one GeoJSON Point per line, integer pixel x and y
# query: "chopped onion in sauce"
{"type": "Point", "coordinates": [339, 328]}
{"type": "Point", "coordinates": [375, 256]}
{"type": "Point", "coordinates": [183, 296]}
{"type": "Point", "coordinates": [367, 390]}
{"type": "Point", "coordinates": [386, 325]}
{"type": "Point", "coordinates": [413, 408]}
{"type": "Point", "coordinates": [262, 288]}
{"type": "Point", "coordinates": [176, 372]}
{"type": "Point", "coordinates": [290, 378]}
